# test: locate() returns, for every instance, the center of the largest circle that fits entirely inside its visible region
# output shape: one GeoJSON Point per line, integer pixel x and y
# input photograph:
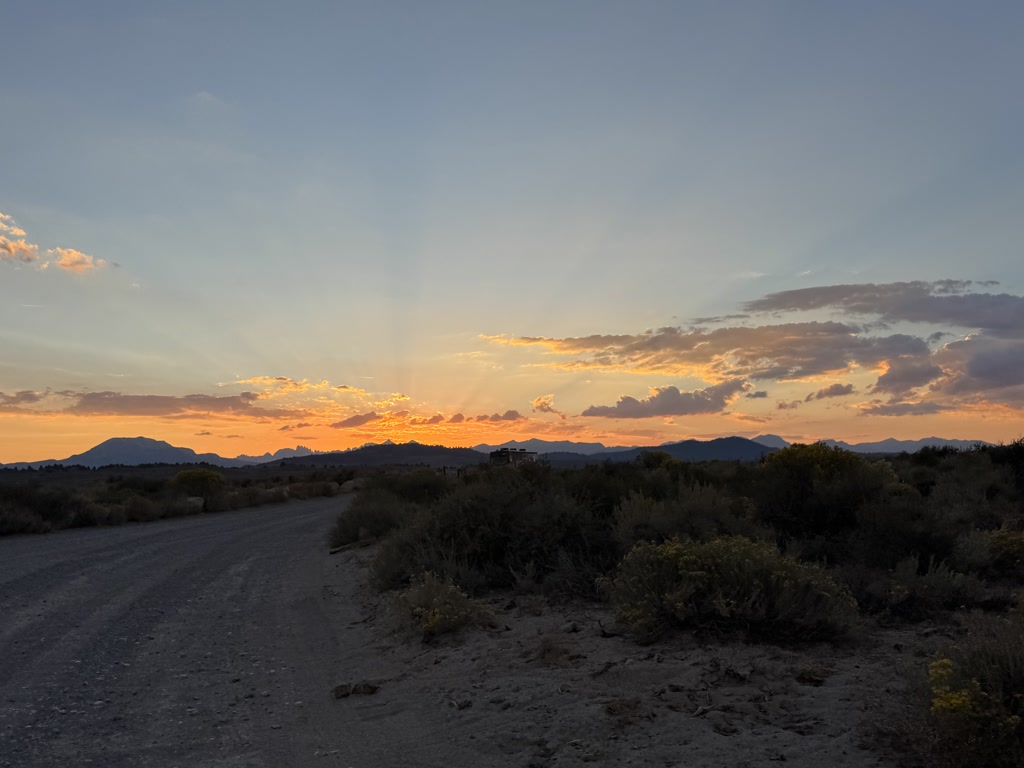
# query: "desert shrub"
{"type": "Point", "coordinates": [806, 490]}
{"type": "Point", "coordinates": [199, 482]}
{"type": "Point", "coordinates": [728, 582]}
{"type": "Point", "coordinates": [312, 489]}
{"type": "Point", "coordinates": [1007, 551]}
{"type": "Point", "coordinates": [436, 606]}
{"type": "Point", "coordinates": [918, 589]}
{"type": "Point", "coordinates": [423, 486]}
{"type": "Point", "coordinates": [572, 577]}
{"type": "Point", "coordinates": [17, 519]}
{"type": "Point", "coordinates": [698, 511]}
{"type": "Point", "coordinates": [639, 518]}
{"type": "Point", "coordinates": [977, 697]}
{"type": "Point", "coordinates": [483, 532]}
{"type": "Point", "coordinates": [972, 552]}
{"type": "Point", "coordinates": [87, 514]}
{"type": "Point", "coordinates": [901, 522]}
{"type": "Point", "coordinates": [138, 509]}
{"type": "Point", "coordinates": [372, 514]}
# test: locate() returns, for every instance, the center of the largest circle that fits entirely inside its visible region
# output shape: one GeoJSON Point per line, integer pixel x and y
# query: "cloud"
{"type": "Point", "coordinates": [167, 406]}
{"type": "Point", "coordinates": [787, 351]}
{"type": "Point", "coordinates": [15, 402]}
{"type": "Point", "coordinates": [71, 260]}
{"type": "Point", "coordinates": [24, 397]}
{"type": "Point", "coordinates": [458, 418]}
{"type": "Point", "coordinates": [7, 225]}
{"type": "Point", "coordinates": [904, 409]}
{"type": "Point", "coordinates": [906, 373]}
{"type": "Point", "coordinates": [506, 416]}
{"type": "Point", "coordinates": [792, 405]}
{"type": "Point", "coordinates": [357, 421]}
{"type": "Point", "coordinates": [750, 417]}
{"type": "Point", "coordinates": [669, 401]}
{"type": "Point", "coordinates": [982, 369]}
{"type": "Point", "coordinates": [437, 418]}
{"type": "Point", "coordinates": [18, 250]}
{"type": "Point", "coordinates": [351, 390]}
{"type": "Point", "coordinates": [834, 390]}
{"type": "Point", "coordinates": [204, 433]}
{"type": "Point", "coordinates": [546, 404]}
{"type": "Point", "coordinates": [760, 394]}
{"type": "Point", "coordinates": [943, 302]}
{"type": "Point", "coordinates": [285, 428]}
{"type": "Point", "coordinates": [15, 247]}
{"type": "Point", "coordinates": [302, 425]}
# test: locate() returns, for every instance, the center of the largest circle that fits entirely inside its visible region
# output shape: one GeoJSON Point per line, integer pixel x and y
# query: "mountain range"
{"type": "Point", "coordinates": [130, 451]}
{"type": "Point", "coordinates": [890, 445]}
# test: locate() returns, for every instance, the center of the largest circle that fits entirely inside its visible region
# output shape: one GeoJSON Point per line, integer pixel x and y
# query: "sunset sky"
{"type": "Point", "coordinates": [245, 226]}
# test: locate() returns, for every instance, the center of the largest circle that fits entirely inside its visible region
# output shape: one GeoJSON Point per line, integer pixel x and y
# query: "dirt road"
{"type": "Point", "coordinates": [205, 641]}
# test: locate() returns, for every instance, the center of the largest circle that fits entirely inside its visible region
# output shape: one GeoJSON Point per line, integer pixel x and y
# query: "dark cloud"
{"type": "Point", "coordinates": [506, 416]}
{"type": "Point", "coordinates": [24, 397]}
{"type": "Point", "coordinates": [906, 373]}
{"type": "Point", "coordinates": [303, 425]}
{"type": "Point", "coordinates": [115, 403]}
{"type": "Point", "coordinates": [669, 401]}
{"type": "Point", "coordinates": [437, 418]}
{"type": "Point", "coordinates": [759, 395]}
{"type": "Point", "coordinates": [792, 405]}
{"type": "Point", "coordinates": [982, 369]}
{"type": "Point", "coordinates": [904, 409]}
{"type": "Point", "coordinates": [751, 417]}
{"type": "Point", "coordinates": [458, 418]}
{"type": "Point", "coordinates": [357, 421]}
{"type": "Point", "coordinates": [285, 428]}
{"type": "Point", "coordinates": [834, 390]}
{"type": "Point", "coordinates": [781, 352]}
{"type": "Point", "coordinates": [943, 302]}
{"type": "Point", "coordinates": [204, 433]}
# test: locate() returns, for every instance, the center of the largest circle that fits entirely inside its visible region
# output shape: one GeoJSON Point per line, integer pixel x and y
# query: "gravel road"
{"type": "Point", "coordinates": [203, 641]}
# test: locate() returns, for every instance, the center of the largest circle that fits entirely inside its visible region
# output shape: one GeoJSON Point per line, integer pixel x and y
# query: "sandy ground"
{"type": "Point", "coordinates": [218, 640]}
{"type": "Point", "coordinates": [549, 687]}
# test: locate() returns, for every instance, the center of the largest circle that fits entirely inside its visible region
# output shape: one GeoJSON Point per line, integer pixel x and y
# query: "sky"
{"type": "Point", "coordinates": [242, 226]}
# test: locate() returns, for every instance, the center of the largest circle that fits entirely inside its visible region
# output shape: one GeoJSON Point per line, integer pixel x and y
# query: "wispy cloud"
{"type": "Point", "coordinates": [357, 420]}
{"type": "Point", "coordinates": [546, 404]}
{"type": "Point", "coordinates": [833, 390]}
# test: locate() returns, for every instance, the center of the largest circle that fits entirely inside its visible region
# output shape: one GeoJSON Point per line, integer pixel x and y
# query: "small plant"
{"type": "Point", "coordinates": [1007, 549]}
{"type": "Point", "coordinates": [916, 591]}
{"type": "Point", "coordinates": [728, 582]}
{"type": "Point", "coordinates": [977, 697]}
{"type": "Point", "coordinates": [436, 606]}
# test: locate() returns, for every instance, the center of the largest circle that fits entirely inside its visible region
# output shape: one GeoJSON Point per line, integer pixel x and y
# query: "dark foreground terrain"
{"type": "Point", "coordinates": [203, 641]}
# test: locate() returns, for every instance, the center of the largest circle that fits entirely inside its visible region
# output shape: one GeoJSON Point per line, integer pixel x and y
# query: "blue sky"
{"type": "Point", "coordinates": [363, 193]}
